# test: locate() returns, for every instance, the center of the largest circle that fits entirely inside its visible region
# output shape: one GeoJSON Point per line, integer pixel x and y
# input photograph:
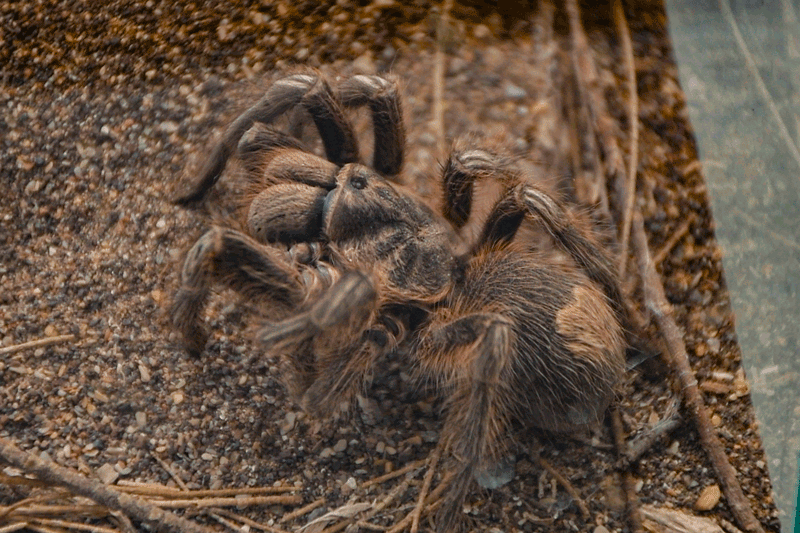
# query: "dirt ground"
{"type": "Point", "coordinates": [103, 113]}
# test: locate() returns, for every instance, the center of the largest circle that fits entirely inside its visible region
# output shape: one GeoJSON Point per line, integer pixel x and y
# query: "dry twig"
{"type": "Point", "coordinates": [426, 485]}
{"type": "Point", "coordinates": [36, 344]}
{"type": "Point", "coordinates": [638, 446]}
{"type": "Point", "coordinates": [303, 510]}
{"type": "Point", "coordinates": [142, 511]}
{"type": "Point", "coordinates": [438, 78]}
{"type": "Point", "coordinates": [591, 92]}
{"type": "Point", "coordinates": [564, 482]}
{"type": "Point", "coordinates": [679, 233]}
{"type": "Point", "coordinates": [656, 302]}
{"type": "Point", "coordinates": [633, 125]}
{"type": "Point", "coordinates": [397, 473]}
{"type": "Point", "coordinates": [631, 501]}
{"type": "Point", "coordinates": [247, 522]}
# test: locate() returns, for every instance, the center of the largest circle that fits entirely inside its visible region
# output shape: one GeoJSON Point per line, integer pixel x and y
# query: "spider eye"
{"type": "Point", "coordinates": [358, 182]}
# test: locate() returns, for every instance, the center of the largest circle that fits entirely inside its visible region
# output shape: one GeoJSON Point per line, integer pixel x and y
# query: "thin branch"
{"type": "Point", "coordinates": [564, 482]}
{"type": "Point", "coordinates": [247, 521]}
{"type": "Point", "coordinates": [426, 485]}
{"type": "Point", "coordinates": [592, 93]}
{"type": "Point", "coordinates": [36, 344]}
{"type": "Point", "coordinates": [631, 501]}
{"type": "Point", "coordinates": [397, 473]}
{"type": "Point", "coordinates": [657, 304]}
{"type": "Point", "coordinates": [438, 78]}
{"type": "Point", "coordinates": [633, 125]}
{"type": "Point", "coordinates": [639, 445]}
{"type": "Point", "coordinates": [238, 501]}
{"type": "Point", "coordinates": [142, 511]}
{"type": "Point", "coordinates": [679, 233]}
{"type": "Point", "coordinates": [161, 491]}
{"type": "Point", "coordinates": [431, 502]}
{"type": "Point", "coordinates": [303, 510]}
{"type": "Point", "coordinates": [72, 525]}
{"type": "Point", "coordinates": [171, 472]}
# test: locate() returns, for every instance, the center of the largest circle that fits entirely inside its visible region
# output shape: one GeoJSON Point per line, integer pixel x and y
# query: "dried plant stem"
{"type": "Point", "coordinates": [11, 528]}
{"type": "Point", "coordinates": [639, 446]}
{"type": "Point", "coordinates": [438, 79]}
{"type": "Point", "coordinates": [160, 491]}
{"type": "Point", "coordinates": [633, 135]}
{"type": "Point", "coordinates": [431, 502]}
{"type": "Point", "coordinates": [142, 511]}
{"type": "Point", "coordinates": [246, 521]}
{"type": "Point", "coordinates": [591, 92]}
{"type": "Point", "coordinates": [239, 501]}
{"type": "Point", "coordinates": [303, 510]}
{"type": "Point", "coordinates": [656, 302]}
{"type": "Point", "coordinates": [426, 485]}
{"type": "Point", "coordinates": [36, 344]}
{"type": "Point", "coordinates": [631, 501]}
{"type": "Point", "coordinates": [564, 482]}
{"type": "Point", "coordinates": [71, 525]}
{"type": "Point", "coordinates": [171, 472]}
{"type": "Point", "coordinates": [397, 473]}
{"type": "Point", "coordinates": [679, 233]}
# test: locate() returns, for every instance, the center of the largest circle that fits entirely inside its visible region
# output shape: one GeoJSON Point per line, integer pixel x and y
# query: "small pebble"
{"type": "Point", "coordinates": [708, 499]}
{"type": "Point", "coordinates": [107, 474]}
{"type": "Point", "coordinates": [144, 372]}
{"type": "Point", "coordinates": [514, 92]}
{"type": "Point", "coordinates": [340, 446]}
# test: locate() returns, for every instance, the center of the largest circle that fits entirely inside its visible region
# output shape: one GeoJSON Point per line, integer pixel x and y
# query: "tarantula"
{"type": "Point", "coordinates": [353, 265]}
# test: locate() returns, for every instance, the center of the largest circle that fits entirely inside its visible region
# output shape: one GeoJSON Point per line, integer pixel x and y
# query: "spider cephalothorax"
{"type": "Point", "coordinates": [353, 265]}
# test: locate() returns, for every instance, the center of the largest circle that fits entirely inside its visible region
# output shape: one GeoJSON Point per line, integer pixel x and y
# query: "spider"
{"type": "Point", "coordinates": [352, 265]}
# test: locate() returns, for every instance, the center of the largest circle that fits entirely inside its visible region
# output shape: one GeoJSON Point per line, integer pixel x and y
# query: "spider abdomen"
{"type": "Point", "coordinates": [568, 347]}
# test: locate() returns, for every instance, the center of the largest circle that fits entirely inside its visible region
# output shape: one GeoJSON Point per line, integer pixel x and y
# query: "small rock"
{"type": "Point", "coordinates": [141, 419]}
{"type": "Point", "coordinates": [168, 126]}
{"type": "Point", "coordinates": [326, 453]}
{"type": "Point", "coordinates": [514, 92]}
{"type": "Point", "coordinates": [107, 474]}
{"type": "Point", "coordinates": [288, 422]}
{"type": "Point", "coordinates": [673, 448]}
{"type": "Point", "coordinates": [740, 385]}
{"type": "Point", "coordinates": [144, 372]}
{"type": "Point", "coordinates": [348, 486]}
{"type": "Point", "coordinates": [340, 446]}
{"type": "Point", "coordinates": [708, 499]}
{"type": "Point", "coordinates": [33, 186]}
{"type": "Point", "coordinates": [600, 529]}
{"type": "Point", "coordinates": [481, 31]}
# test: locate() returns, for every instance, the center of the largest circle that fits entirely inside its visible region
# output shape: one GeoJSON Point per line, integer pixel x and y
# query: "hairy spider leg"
{"type": "Point", "coordinates": [581, 246]}
{"type": "Point", "coordinates": [382, 97]}
{"type": "Point", "coordinates": [346, 341]}
{"type": "Point", "coordinates": [461, 171]}
{"type": "Point", "coordinates": [463, 168]}
{"type": "Point", "coordinates": [307, 90]}
{"type": "Point", "coordinates": [232, 259]}
{"type": "Point", "coordinates": [474, 356]}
